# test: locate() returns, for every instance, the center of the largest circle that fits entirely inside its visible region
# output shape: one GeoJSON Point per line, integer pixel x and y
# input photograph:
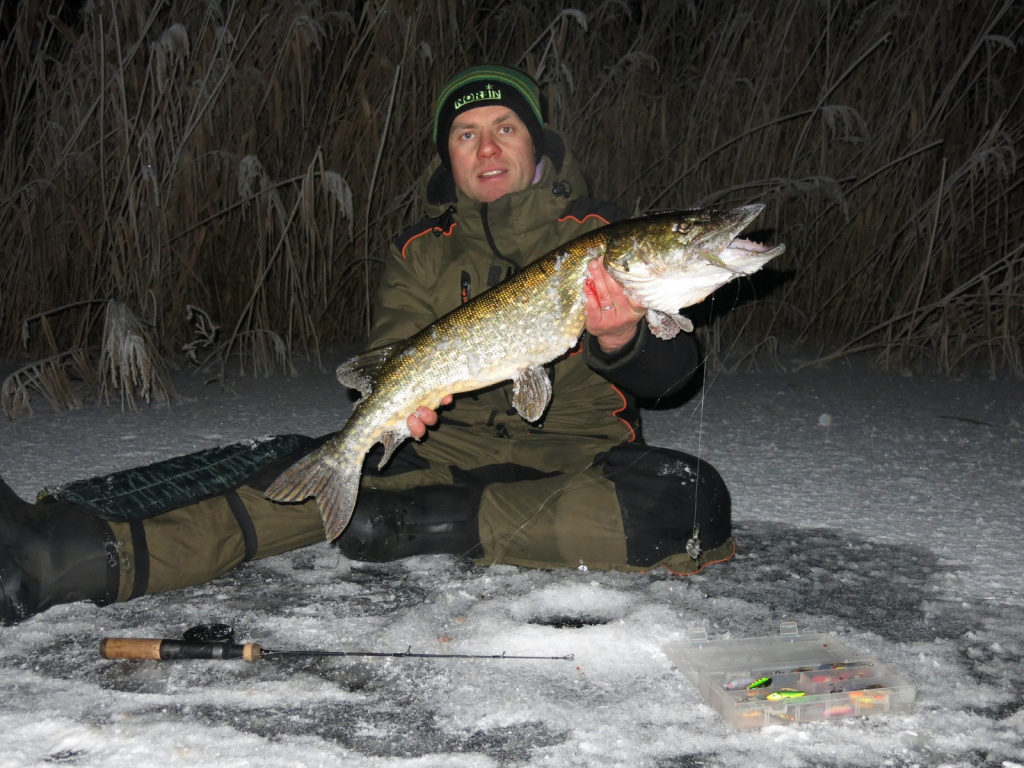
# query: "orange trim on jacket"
{"type": "Point", "coordinates": [431, 231]}
{"type": "Point", "coordinates": [588, 216]}
{"type": "Point", "coordinates": [625, 405]}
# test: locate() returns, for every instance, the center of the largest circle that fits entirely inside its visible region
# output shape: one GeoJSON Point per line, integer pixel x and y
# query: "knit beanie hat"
{"type": "Point", "coordinates": [487, 85]}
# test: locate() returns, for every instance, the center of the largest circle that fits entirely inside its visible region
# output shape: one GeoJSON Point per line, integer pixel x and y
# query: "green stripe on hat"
{"type": "Point", "coordinates": [490, 72]}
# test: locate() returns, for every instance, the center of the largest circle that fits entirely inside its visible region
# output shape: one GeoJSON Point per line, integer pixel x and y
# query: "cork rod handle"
{"type": "Point", "coordinates": [155, 649]}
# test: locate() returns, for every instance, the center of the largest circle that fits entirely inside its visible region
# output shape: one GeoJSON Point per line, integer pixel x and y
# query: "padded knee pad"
{"type": "Point", "coordinates": [664, 496]}
{"type": "Point", "coordinates": [432, 520]}
{"type": "Point", "coordinates": [143, 492]}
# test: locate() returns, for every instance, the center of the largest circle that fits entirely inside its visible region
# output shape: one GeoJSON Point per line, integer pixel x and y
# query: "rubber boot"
{"type": "Point", "coordinates": [433, 520]}
{"type": "Point", "coordinates": [52, 553]}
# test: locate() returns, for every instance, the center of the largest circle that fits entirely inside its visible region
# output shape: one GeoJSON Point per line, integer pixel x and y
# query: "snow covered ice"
{"type": "Point", "coordinates": [883, 509]}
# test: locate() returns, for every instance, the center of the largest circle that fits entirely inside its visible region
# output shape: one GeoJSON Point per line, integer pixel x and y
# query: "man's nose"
{"type": "Point", "coordinates": [488, 146]}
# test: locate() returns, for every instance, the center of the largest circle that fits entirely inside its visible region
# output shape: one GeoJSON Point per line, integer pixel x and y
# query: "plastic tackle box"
{"type": "Point", "coordinates": [790, 678]}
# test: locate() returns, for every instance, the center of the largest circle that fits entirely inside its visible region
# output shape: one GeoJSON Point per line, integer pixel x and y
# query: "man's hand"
{"type": "Point", "coordinates": [611, 317]}
{"type": "Point", "coordinates": [424, 417]}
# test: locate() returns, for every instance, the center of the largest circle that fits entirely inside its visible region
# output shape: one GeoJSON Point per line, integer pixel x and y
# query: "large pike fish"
{"type": "Point", "coordinates": [665, 262]}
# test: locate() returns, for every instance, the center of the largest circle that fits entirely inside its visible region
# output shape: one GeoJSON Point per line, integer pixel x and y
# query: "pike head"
{"type": "Point", "coordinates": [670, 261]}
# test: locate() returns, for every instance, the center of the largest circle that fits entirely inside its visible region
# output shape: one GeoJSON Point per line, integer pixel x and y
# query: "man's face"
{"type": "Point", "coordinates": [491, 152]}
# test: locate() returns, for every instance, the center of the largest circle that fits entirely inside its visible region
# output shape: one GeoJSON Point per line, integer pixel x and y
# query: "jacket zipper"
{"type": "Point", "coordinates": [490, 241]}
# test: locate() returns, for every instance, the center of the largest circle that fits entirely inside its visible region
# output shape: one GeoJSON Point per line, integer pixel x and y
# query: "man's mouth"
{"type": "Point", "coordinates": [491, 174]}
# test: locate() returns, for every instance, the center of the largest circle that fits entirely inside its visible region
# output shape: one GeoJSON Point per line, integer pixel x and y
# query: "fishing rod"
{"type": "Point", "coordinates": [216, 641]}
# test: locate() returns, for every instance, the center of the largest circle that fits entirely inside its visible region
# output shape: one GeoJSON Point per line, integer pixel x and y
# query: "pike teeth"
{"type": "Point", "coordinates": [748, 245]}
{"type": "Point", "coordinates": [741, 244]}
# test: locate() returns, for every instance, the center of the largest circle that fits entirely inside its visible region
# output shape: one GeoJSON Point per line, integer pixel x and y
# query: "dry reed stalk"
{"type": "Point", "coordinates": [58, 379]}
{"type": "Point", "coordinates": [127, 132]}
{"type": "Point", "coordinates": [129, 362]}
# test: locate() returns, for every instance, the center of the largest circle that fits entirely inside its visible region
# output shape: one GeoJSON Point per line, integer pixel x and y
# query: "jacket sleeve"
{"type": "Point", "coordinates": [403, 304]}
{"type": "Point", "coordinates": [647, 367]}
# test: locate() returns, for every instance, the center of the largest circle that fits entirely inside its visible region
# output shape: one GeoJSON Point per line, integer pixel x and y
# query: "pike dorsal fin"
{"type": "Point", "coordinates": [531, 391]}
{"type": "Point", "coordinates": [665, 325]}
{"type": "Point", "coordinates": [360, 372]}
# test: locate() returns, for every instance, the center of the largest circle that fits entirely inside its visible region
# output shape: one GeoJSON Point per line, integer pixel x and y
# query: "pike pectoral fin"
{"type": "Point", "coordinates": [361, 371]}
{"type": "Point", "coordinates": [335, 484]}
{"type": "Point", "coordinates": [665, 325]}
{"type": "Point", "coordinates": [531, 391]}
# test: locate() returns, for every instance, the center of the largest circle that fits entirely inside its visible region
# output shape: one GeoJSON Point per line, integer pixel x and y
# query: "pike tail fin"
{"type": "Point", "coordinates": [333, 480]}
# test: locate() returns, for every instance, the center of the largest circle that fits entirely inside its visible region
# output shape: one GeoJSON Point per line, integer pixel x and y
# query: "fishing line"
{"type": "Point", "coordinates": [693, 544]}
{"type": "Point", "coordinates": [693, 548]}
{"type": "Point", "coordinates": [570, 482]}
{"type": "Point", "coordinates": [568, 485]}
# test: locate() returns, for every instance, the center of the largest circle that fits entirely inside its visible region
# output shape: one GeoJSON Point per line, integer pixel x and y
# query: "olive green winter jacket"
{"type": "Point", "coordinates": [465, 247]}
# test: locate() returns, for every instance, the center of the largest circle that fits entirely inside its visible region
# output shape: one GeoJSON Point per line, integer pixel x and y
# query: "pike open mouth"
{"type": "Point", "coordinates": [744, 256]}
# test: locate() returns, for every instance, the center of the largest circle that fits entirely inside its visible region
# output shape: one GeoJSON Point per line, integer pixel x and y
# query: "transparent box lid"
{"type": "Point", "coordinates": [788, 678]}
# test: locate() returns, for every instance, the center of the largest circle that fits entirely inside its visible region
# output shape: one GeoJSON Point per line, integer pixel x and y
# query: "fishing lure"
{"type": "Point", "coordinates": [785, 693]}
{"type": "Point", "coordinates": [693, 548]}
{"type": "Point", "coordinates": [737, 683]}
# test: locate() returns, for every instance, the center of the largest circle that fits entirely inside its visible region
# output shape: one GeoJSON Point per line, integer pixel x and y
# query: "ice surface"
{"type": "Point", "coordinates": [895, 524]}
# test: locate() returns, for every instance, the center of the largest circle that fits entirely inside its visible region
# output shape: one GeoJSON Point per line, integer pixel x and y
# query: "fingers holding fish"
{"type": "Point", "coordinates": [610, 316]}
{"type": "Point", "coordinates": [423, 418]}
{"type": "Point", "coordinates": [419, 420]}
